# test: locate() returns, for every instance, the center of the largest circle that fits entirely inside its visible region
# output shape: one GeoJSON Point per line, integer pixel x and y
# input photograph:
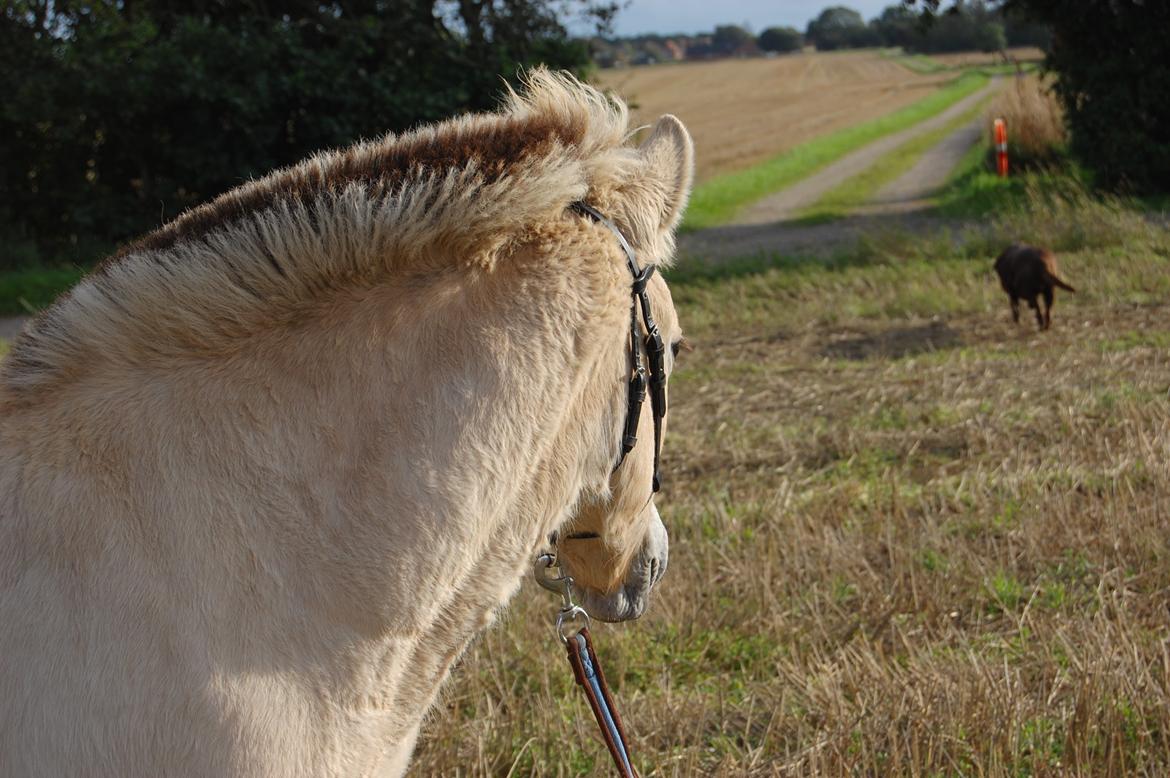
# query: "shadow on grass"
{"type": "Point", "coordinates": [895, 343]}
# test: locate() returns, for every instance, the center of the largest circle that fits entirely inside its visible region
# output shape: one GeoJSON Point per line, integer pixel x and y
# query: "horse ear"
{"type": "Point", "coordinates": [670, 157]}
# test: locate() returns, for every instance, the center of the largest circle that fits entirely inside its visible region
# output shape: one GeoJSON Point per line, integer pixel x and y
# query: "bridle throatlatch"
{"type": "Point", "coordinates": [572, 621]}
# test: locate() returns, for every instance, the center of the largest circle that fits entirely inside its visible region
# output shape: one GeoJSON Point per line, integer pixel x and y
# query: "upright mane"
{"type": "Point", "coordinates": [463, 190]}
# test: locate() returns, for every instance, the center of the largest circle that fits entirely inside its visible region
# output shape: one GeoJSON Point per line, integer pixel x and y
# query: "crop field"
{"type": "Point", "coordinates": [974, 58]}
{"type": "Point", "coordinates": [743, 111]}
{"type": "Point", "coordinates": [907, 536]}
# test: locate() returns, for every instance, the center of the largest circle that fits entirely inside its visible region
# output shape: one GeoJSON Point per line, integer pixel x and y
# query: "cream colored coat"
{"type": "Point", "coordinates": [265, 474]}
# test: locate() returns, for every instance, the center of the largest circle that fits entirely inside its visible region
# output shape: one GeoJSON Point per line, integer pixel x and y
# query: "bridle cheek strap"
{"type": "Point", "coordinates": [652, 376]}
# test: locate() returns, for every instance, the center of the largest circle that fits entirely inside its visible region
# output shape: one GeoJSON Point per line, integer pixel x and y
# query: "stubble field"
{"type": "Point", "coordinates": [744, 111]}
{"type": "Point", "coordinates": [907, 536]}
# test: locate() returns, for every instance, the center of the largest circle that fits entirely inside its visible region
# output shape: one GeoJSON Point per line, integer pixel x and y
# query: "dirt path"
{"type": "Point", "coordinates": [909, 192]}
{"type": "Point", "coordinates": [768, 225]}
{"type": "Point", "coordinates": [785, 204]}
{"type": "Point", "coordinates": [732, 241]}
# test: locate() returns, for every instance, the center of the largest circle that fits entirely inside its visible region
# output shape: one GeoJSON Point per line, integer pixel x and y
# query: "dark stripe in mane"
{"type": "Point", "coordinates": [496, 146]}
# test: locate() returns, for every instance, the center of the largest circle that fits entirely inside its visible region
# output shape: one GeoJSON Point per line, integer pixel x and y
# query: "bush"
{"type": "Point", "coordinates": [1114, 83]}
{"type": "Point", "coordinates": [968, 27]}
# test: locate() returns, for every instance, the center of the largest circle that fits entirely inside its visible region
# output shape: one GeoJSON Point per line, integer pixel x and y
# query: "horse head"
{"type": "Point", "coordinates": [616, 547]}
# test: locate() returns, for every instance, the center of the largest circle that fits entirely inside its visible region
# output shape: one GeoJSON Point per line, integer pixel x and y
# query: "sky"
{"type": "Point", "coordinates": [691, 16]}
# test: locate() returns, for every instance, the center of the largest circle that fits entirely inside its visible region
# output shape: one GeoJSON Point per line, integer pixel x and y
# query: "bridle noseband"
{"type": "Point", "coordinates": [653, 375]}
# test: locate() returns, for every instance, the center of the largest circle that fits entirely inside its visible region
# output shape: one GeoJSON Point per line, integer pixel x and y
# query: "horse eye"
{"type": "Point", "coordinates": [678, 346]}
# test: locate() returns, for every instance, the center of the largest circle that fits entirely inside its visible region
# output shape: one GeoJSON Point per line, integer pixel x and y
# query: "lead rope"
{"type": "Point", "coordinates": [583, 660]}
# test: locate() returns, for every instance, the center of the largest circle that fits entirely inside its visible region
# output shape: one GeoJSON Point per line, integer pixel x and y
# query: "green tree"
{"type": "Point", "coordinates": [730, 38]}
{"type": "Point", "coordinates": [967, 26]}
{"type": "Point", "coordinates": [780, 39]}
{"type": "Point", "coordinates": [118, 114]}
{"type": "Point", "coordinates": [839, 27]}
{"type": "Point", "coordinates": [1020, 31]}
{"type": "Point", "coordinates": [898, 26]}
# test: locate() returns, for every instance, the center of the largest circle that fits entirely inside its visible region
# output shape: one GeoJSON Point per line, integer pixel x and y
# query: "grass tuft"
{"type": "Point", "coordinates": [1034, 120]}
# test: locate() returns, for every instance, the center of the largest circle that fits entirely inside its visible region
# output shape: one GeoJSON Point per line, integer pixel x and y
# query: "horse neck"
{"type": "Point", "coordinates": [395, 449]}
{"type": "Point", "coordinates": [461, 432]}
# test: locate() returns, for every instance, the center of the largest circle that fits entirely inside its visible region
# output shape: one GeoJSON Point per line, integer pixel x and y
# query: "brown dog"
{"type": "Point", "coordinates": [1029, 272]}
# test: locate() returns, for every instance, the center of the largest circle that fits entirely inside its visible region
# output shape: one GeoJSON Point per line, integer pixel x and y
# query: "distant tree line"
{"type": "Point", "coordinates": [967, 26]}
{"type": "Point", "coordinates": [119, 114]}
{"type": "Point", "coordinates": [970, 25]}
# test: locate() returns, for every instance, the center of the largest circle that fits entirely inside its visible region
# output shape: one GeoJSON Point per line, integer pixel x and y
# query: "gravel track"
{"type": "Point", "coordinates": [768, 224]}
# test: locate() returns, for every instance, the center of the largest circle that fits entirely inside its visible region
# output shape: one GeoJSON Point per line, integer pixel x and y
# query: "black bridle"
{"type": "Point", "coordinates": [653, 374]}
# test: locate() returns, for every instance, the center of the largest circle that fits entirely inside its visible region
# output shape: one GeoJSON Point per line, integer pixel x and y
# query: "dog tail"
{"type": "Point", "coordinates": [1057, 281]}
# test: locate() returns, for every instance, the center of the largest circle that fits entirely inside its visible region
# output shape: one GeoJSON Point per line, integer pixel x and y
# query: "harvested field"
{"type": "Point", "coordinates": [975, 58]}
{"type": "Point", "coordinates": [741, 112]}
{"type": "Point", "coordinates": [908, 537]}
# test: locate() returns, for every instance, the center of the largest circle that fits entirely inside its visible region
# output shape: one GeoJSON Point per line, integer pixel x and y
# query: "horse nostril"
{"type": "Point", "coordinates": [657, 570]}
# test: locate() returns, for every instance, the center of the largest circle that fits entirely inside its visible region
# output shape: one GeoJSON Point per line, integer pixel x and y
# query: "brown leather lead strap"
{"type": "Point", "coordinates": [588, 673]}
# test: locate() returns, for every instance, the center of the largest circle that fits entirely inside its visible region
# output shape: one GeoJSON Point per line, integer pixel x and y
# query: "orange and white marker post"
{"type": "Point", "coordinates": [1001, 158]}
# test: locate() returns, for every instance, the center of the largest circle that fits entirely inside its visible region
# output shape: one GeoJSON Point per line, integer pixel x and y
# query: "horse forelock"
{"type": "Point", "coordinates": [457, 191]}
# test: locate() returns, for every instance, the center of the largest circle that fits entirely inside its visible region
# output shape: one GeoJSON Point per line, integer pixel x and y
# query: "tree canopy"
{"type": "Point", "coordinates": [730, 38]}
{"type": "Point", "coordinates": [119, 114]}
{"type": "Point", "coordinates": [839, 27]}
{"type": "Point", "coordinates": [780, 39]}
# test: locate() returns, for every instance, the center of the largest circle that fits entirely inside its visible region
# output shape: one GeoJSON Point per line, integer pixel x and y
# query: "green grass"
{"type": "Point", "coordinates": [860, 189]}
{"type": "Point", "coordinates": [27, 291]}
{"type": "Point", "coordinates": [902, 274]}
{"type": "Point", "coordinates": [974, 189]}
{"type": "Point", "coordinates": [717, 200]}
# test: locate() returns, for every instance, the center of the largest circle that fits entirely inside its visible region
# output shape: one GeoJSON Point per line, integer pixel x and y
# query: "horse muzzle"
{"type": "Point", "coordinates": [629, 600]}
